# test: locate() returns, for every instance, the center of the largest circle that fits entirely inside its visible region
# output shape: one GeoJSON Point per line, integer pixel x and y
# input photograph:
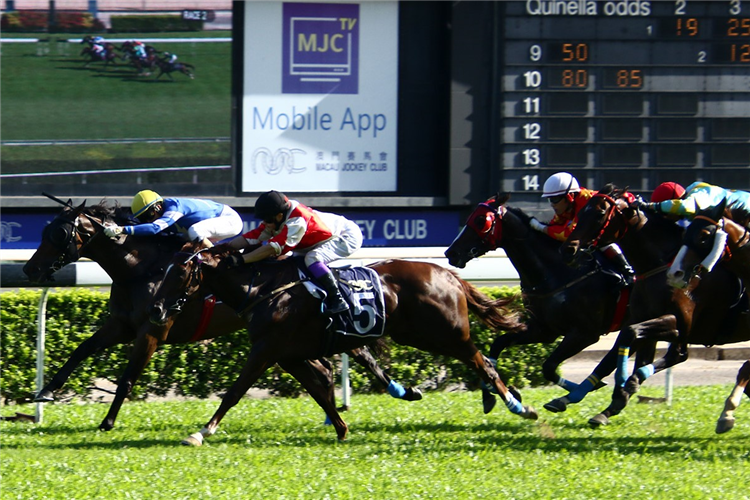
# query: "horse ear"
{"type": "Point", "coordinates": [502, 198]}
{"type": "Point", "coordinates": [721, 209]}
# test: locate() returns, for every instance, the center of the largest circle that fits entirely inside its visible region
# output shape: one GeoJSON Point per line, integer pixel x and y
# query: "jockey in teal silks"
{"type": "Point", "coordinates": [701, 196]}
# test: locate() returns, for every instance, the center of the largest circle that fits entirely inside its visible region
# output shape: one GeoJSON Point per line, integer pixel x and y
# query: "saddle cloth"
{"type": "Point", "coordinates": [360, 287]}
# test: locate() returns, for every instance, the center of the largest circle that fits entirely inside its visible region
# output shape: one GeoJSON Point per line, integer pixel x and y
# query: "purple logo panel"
{"type": "Point", "coordinates": [320, 48]}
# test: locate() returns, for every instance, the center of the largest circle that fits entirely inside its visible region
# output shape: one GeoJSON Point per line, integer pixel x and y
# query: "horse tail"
{"type": "Point", "coordinates": [498, 314]}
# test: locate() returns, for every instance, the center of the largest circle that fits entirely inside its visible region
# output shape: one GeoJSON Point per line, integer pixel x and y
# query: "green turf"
{"type": "Point", "coordinates": [47, 94]}
{"type": "Point", "coordinates": [442, 447]}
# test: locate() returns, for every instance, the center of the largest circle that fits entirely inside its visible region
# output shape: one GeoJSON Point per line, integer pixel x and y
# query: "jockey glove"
{"type": "Point", "coordinates": [112, 231]}
{"type": "Point", "coordinates": [538, 226]}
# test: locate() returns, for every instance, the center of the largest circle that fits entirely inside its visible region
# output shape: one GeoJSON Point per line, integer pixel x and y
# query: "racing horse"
{"type": "Point", "coordinates": [709, 236]}
{"type": "Point", "coordinates": [143, 65]}
{"type": "Point", "coordinates": [108, 55]}
{"type": "Point", "coordinates": [166, 68]}
{"type": "Point", "coordinates": [136, 265]}
{"type": "Point", "coordinates": [426, 307]}
{"type": "Point", "coordinates": [579, 305]}
{"type": "Point", "coordinates": [658, 312]}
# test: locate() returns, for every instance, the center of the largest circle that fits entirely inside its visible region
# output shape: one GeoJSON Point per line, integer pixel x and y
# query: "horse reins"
{"type": "Point", "coordinates": [610, 216]}
{"type": "Point", "coordinates": [727, 253]}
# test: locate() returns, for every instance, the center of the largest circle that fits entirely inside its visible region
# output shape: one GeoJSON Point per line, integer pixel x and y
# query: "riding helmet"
{"type": "Point", "coordinates": [143, 201]}
{"type": "Point", "coordinates": [561, 183]}
{"type": "Point", "coordinates": [271, 203]}
{"type": "Point", "coordinates": [667, 191]}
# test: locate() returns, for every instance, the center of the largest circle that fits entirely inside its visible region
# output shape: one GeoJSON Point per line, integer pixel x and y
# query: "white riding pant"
{"type": "Point", "coordinates": [339, 246]}
{"type": "Point", "coordinates": [227, 225]}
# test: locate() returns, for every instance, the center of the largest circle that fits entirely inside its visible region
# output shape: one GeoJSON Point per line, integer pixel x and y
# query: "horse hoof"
{"type": "Point", "coordinates": [529, 413]}
{"type": "Point", "coordinates": [193, 440]}
{"type": "Point", "coordinates": [488, 402]}
{"type": "Point", "coordinates": [44, 396]}
{"type": "Point", "coordinates": [556, 406]}
{"type": "Point", "coordinates": [724, 425]}
{"type": "Point", "coordinates": [598, 421]}
{"type": "Point", "coordinates": [106, 426]}
{"type": "Point", "coordinates": [412, 394]}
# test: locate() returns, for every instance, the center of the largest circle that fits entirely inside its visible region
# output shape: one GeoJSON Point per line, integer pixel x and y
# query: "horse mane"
{"type": "Point", "coordinates": [116, 213]}
{"type": "Point", "coordinates": [526, 220]}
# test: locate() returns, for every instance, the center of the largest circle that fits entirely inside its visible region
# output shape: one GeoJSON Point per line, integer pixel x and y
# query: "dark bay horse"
{"type": "Point", "coordinates": [698, 244]}
{"type": "Point", "coordinates": [579, 305]}
{"type": "Point", "coordinates": [108, 55]}
{"type": "Point", "coordinates": [426, 307]}
{"type": "Point", "coordinates": [136, 266]}
{"type": "Point", "coordinates": [167, 68]}
{"type": "Point", "coordinates": [703, 315]}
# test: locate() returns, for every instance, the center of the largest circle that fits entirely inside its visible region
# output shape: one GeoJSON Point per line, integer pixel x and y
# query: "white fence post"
{"type": "Point", "coordinates": [41, 331]}
{"type": "Point", "coordinates": [345, 388]}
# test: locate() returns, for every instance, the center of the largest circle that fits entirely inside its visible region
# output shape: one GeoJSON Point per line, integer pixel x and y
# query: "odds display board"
{"type": "Point", "coordinates": [633, 92]}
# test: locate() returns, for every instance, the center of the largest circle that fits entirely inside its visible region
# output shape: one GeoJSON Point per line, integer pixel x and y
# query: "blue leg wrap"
{"type": "Point", "coordinates": [514, 405]}
{"type": "Point", "coordinates": [583, 389]}
{"type": "Point", "coordinates": [328, 421]}
{"type": "Point", "coordinates": [567, 384]}
{"type": "Point", "coordinates": [621, 375]}
{"type": "Point", "coordinates": [644, 372]}
{"type": "Point", "coordinates": [396, 390]}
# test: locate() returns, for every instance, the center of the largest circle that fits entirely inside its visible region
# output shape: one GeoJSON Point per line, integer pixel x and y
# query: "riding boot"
{"type": "Point", "coordinates": [617, 258]}
{"type": "Point", "coordinates": [336, 302]}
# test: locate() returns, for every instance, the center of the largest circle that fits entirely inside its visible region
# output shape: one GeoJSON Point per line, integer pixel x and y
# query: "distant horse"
{"type": "Point", "coordinates": [426, 307]}
{"type": "Point", "coordinates": [658, 312]}
{"type": "Point", "coordinates": [136, 265]}
{"type": "Point", "coordinates": [733, 243]}
{"type": "Point", "coordinates": [143, 65]}
{"type": "Point", "coordinates": [166, 68]}
{"type": "Point", "coordinates": [108, 55]}
{"type": "Point", "coordinates": [579, 305]}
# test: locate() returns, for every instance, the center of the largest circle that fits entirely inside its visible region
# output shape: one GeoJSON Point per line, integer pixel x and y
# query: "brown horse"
{"type": "Point", "coordinates": [136, 266]}
{"type": "Point", "coordinates": [657, 312]}
{"type": "Point", "coordinates": [579, 305]}
{"type": "Point", "coordinates": [734, 247]}
{"type": "Point", "coordinates": [426, 307]}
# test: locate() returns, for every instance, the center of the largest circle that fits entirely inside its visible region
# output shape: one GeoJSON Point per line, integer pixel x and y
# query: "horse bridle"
{"type": "Point", "coordinates": [490, 237]}
{"type": "Point", "coordinates": [69, 248]}
{"type": "Point", "coordinates": [613, 211]}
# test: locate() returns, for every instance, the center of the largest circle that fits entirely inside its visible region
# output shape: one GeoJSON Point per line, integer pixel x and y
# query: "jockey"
{"type": "Point", "coordinates": [139, 49]}
{"type": "Point", "coordinates": [288, 225]}
{"type": "Point", "coordinates": [567, 199]}
{"type": "Point", "coordinates": [97, 49]}
{"type": "Point", "coordinates": [700, 196]}
{"type": "Point", "coordinates": [170, 58]}
{"type": "Point", "coordinates": [203, 220]}
{"type": "Point", "coordinates": [98, 40]}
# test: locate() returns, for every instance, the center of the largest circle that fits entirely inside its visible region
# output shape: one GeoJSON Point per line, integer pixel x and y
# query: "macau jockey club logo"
{"type": "Point", "coordinates": [320, 48]}
{"type": "Point", "coordinates": [273, 163]}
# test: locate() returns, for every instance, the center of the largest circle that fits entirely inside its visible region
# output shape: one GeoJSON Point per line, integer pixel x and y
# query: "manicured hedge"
{"type": "Point", "coordinates": [208, 367]}
{"type": "Point", "coordinates": [152, 23]}
{"type": "Point", "coordinates": [37, 21]}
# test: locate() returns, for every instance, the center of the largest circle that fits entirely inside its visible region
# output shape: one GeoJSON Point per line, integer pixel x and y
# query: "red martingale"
{"type": "Point", "coordinates": [206, 315]}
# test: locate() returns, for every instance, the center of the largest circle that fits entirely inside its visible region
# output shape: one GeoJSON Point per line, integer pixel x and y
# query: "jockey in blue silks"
{"type": "Point", "coordinates": [196, 219]}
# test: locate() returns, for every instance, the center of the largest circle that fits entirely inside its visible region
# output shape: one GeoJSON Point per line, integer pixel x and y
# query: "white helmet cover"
{"type": "Point", "coordinates": [559, 184]}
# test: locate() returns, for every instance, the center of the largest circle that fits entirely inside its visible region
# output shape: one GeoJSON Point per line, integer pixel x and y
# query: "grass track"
{"type": "Point", "coordinates": [441, 447]}
{"type": "Point", "coordinates": [50, 95]}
